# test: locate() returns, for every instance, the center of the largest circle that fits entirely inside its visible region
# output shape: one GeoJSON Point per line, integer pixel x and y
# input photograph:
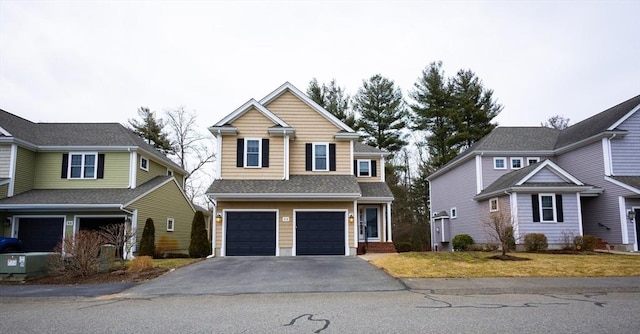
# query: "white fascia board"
{"type": "Point", "coordinates": [587, 141]}
{"type": "Point", "coordinates": [624, 118]}
{"type": "Point", "coordinates": [158, 186]}
{"type": "Point", "coordinates": [246, 107]}
{"type": "Point", "coordinates": [554, 168]}
{"type": "Point", "coordinates": [295, 91]}
{"type": "Point", "coordinates": [552, 189]}
{"type": "Point", "coordinates": [23, 143]}
{"type": "Point", "coordinates": [346, 135]}
{"type": "Point", "coordinates": [369, 200]}
{"type": "Point", "coordinates": [223, 130]}
{"type": "Point", "coordinates": [281, 131]}
{"type": "Point", "coordinates": [5, 132]}
{"type": "Point", "coordinates": [282, 196]}
{"type": "Point", "coordinates": [88, 148]}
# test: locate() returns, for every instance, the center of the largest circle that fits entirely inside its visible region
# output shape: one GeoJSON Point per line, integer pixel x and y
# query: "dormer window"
{"type": "Point", "coordinates": [516, 163]}
{"type": "Point", "coordinates": [364, 168]}
{"type": "Point", "coordinates": [144, 163]}
{"type": "Point", "coordinates": [252, 153]}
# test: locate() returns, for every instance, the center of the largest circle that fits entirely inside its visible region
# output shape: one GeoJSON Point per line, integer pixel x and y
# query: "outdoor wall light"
{"type": "Point", "coordinates": [351, 218]}
{"type": "Point", "coordinates": [127, 220]}
{"type": "Point", "coordinates": [7, 222]}
{"type": "Point", "coordinates": [631, 215]}
{"type": "Point", "coordinates": [218, 218]}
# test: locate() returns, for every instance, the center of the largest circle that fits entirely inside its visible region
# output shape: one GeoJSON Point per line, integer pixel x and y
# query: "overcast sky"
{"type": "Point", "coordinates": [99, 61]}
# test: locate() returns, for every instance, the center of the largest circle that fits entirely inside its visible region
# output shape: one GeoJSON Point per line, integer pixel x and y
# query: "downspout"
{"type": "Point", "coordinates": [134, 226]}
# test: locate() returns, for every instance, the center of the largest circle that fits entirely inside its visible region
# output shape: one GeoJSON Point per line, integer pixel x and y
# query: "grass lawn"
{"type": "Point", "coordinates": [478, 264]}
{"type": "Point", "coordinates": [174, 263]}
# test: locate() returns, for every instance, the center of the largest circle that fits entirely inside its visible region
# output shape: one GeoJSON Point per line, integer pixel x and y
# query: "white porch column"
{"type": "Point", "coordinates": [388, 213]}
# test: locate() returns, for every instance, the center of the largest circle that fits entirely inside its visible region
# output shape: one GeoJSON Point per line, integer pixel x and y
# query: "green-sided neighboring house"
{"type": "Point", "coordinates": [59, 178]}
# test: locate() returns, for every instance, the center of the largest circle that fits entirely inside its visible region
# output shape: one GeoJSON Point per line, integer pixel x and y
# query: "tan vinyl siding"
{"type": "Point", "coordinates": [253, 125]}
{"type": "Point", "coordinates": [49, 166]}
{"type": "Point", "coordinates": [166, 202]}
{"type": "Point", "coordinates": [5, 161]}
{"type": "Point", "coordinates": [25, 170]}
{"type": "Point", "coordinates": [310, 127]}
{"type": "Point", "coordinates": [285, 209]}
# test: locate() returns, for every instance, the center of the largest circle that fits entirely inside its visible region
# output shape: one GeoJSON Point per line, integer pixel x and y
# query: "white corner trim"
{"type": "Point", "coordinates": [13, 162]}
{"type": "Point", "coordinates": [623, 220]}
{"type": "Point", "coordinates": [218, 165]}
{"type": "Point", "coordinates": [133, 169]}
{"type": "Point", "coordinates": [514, 215]}
{"type": "Point", "coordinates": [606, 156]}
{"type": "Point", "coordinates": [479, 185]}
{"type": "Point", "coordinates": [579, 214]}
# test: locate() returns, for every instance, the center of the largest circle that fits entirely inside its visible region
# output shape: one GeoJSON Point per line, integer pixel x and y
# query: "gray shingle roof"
{"type": "Point", "coordinates": [508, 180]}
{"type": "Point", "coordinates": [596, 123]}
{"type": "Point", "coordinates": [359, 147]}
{"type": "Point", "coordinates": [77, 134]}
{"type": "Point", "coordinates": [519, 139]}
{"type": "Point", "coordinates": [297, 184]}
{"type": "Point", "coordinates": [82, 196]}
{"type": "Point", "coordinates": [375, 190]}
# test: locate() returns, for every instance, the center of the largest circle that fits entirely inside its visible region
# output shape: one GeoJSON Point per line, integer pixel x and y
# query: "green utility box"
{"type": "Point", "coordinates": [23, 266]}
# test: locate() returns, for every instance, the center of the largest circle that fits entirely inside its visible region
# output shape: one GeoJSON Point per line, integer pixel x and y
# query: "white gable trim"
{"type": "Point", "coordinates": [622, 184]}
{"type": "Point", "coordinates": [156, 188]}
{"type": "Point", "coordinates": [302, 96]}
{"type": "Point", "coordinates": [554, 168]}
{"type": "Point", "coordinates": [5, 132]}
{"type": "Point", "coordinates": [246, 107]}
{"type": "Point", "coordinates": [624, 118]}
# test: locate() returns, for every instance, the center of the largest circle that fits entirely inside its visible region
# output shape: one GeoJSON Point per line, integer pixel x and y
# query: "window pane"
{"type": "Point", "coordinates": [547, 202]}
{"type": "Point", "coordinates": [253, 146]}
{"type": "Point", "coordinates": [253, 153]}
{"type": "Point", "coordinates": [500, 163]}
{"type": "Point", "coordinates": [516, 163]}
{"type": "Point", "coordinates": [321, 157]}
{"type": "Point", "coordinates": [89, 160]}
{"type": "Point", "coordinates": [364, 168]}
{"type": "Point", "coordinates": [76, 172]}
{"type": "Point", "coordinates": [547, 214]}
{"type": "Point", "coordinates": [76, 160]}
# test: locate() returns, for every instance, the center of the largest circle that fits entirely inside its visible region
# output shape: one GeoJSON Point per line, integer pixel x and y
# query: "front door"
{"type": "Point", "coordinates": [369, 224]}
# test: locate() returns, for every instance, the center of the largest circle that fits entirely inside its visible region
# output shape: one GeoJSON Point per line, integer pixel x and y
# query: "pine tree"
{"type": "Point", "coordinates": [148, 241]}
{"type": "Point", "coordinates": [151, 129]}
{"type": "Point", "coordinates": [382, 113]}
{"type": "Point", "coordinates": [199, 246]}
{"type": "Point", "coordinates": [333, 99]}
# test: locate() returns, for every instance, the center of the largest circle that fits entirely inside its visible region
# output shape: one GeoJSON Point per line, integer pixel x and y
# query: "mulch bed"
{"type": "Point", "coordinates": [117, 276]}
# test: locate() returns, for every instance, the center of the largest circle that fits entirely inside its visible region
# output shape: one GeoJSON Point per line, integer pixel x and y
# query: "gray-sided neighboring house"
{"type": "Point", "coordinates": [583, 180]}
{"type": "Point", "coordinates": [60, 178]}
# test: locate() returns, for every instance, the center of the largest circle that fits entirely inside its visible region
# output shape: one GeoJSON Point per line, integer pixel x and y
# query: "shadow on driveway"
{"type": "Point", "coordinates": [245, 275]}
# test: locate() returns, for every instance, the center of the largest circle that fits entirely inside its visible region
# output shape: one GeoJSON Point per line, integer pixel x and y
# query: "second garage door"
{"type": "Point", "coordinates": [320, 233]}
{"type": "Point", "coordinates": [40, 234]}
{"type": "Point", "coordinates": [251, 233]}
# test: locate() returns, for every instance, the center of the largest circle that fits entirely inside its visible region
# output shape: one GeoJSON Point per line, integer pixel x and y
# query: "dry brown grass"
{"type": "Point", "coordinates": [140, 263]}
{"type": "Point", "coordinates": [477, 264]}
{"type": "Point", "coordinates": [174, 263]}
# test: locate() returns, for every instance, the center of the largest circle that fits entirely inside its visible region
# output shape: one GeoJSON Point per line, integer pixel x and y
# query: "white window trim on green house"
{"type": "Point", "coordinates": [83, 166]}
{"type": "Point", "coordinates": [171, 224]}
{"type": "Point", "coordinates": [144, 163]}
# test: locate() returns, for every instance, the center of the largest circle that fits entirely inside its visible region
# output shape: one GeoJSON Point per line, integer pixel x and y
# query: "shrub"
{"type": "Point", "coordinates": [491, 247]}
{"type": "Point", "coordinates": [510, 240]}
{"type": "Point", "coordinates": [584, 244]}
{"type": "Point", "coordinates": [147, 243]}
{"type": "Point", "coordinates": [535, 242]}
{"type": "Point", "coordinates": [403, 246]}
{"type": "Point", "coordinates": [461, 242]}
{"type": "Point", "coordinates": [77, 255]}
{"type": "Point", "coordinates": [567, 240]}
{"type": "Point", "coordinates": [200, 245]}
{"type": "Point", "coordinates": [140, 263]}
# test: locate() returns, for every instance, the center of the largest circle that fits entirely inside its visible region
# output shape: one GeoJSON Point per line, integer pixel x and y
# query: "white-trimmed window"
{"type": "Point", "coordinates": [253, 152]}
{"type": "Point", "coordinates": [499, 163]}
{"type": "Point", "coordinates": [453, 213]}
{"type": "Point", "coordinates": [516, 163]}
{"type": "Point", "coordinates": [82, 165]}
{"type": "Point", "coordinates": [321, 156]}
{"type": "Point", "coordinates": [364, 168]}
{"type": "Point", "coordinates": [532, 160]}
{"type": "Point", "coordinates": [547, 207]}
{"type": "Point", "coordinates": [170, 224]}
{"type": "Point", "coordinates": [169, 172]}
{"type": "Point", "coordinates": [493, 205]}
{"type": "Point", "coordinates": [144, 163]}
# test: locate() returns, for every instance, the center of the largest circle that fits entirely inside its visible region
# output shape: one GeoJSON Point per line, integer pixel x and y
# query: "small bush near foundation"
{"type": "Point", "coordinates": [585, 244]}
{"type": "Point", "coordinates": [77, 255]}
{"type": "Point", "coordinates": [535, 242]}
{"type": "Point", "coordinates": [461, 242]}
{"type": "Point", "coordinates": [403, 247]}
{"type": "Point", "coordinates": [140, 263]}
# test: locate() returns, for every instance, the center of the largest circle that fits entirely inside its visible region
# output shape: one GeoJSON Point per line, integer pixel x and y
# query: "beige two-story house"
{"type": "Point", "coordinates": [59, 178]}
{"type": "Point", "coordinates": [293, 180]}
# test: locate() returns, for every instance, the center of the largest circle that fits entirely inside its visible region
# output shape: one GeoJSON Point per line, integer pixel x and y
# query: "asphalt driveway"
{"type": "Point", "coordinates": [246, 275]}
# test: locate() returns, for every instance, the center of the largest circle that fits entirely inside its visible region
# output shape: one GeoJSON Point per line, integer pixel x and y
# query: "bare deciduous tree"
{"type": "Point", "coordinates": [120, 235]}
{"type": "Point", "coordinates": [499, 228]}
{"type": "Point", "coordinates": [556, 122]}
{"type": "Point", "coordinates": [190, 148]}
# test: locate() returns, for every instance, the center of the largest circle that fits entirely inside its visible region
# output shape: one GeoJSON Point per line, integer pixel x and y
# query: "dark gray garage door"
{"type": "Point", "coordinates": [320, 233]}
{"type": "Point", "coordinates": [40, 234]}
{"type": "Point", "coordinates": [251, 233]}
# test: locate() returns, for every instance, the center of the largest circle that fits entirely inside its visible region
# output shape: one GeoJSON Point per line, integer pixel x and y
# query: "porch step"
{"type": "Point", "coordinates": [376, 247]}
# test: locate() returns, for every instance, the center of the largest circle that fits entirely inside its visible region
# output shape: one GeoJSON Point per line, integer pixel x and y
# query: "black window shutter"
{"type": "Point", "coordinates": [308, 156]}
{"type": "Point", "coordinates": [355, 167]}
{"type": "Point", "coordinates": [374, 171]}
{"type": "Point", "coordinates": [65, 165]}
{"type": "Point", "coordinates": [240, 153]}
{"type": "Point", "coordinates": [332, 157]}
{"type": "Point", "coordinates": [100, 173]}
{"type": "Point", "coordinates": [535, 208]}
{"type": "Point", "coordinates": [265, 152]}
{"type": "Point", "coordinates": [559, 213]}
